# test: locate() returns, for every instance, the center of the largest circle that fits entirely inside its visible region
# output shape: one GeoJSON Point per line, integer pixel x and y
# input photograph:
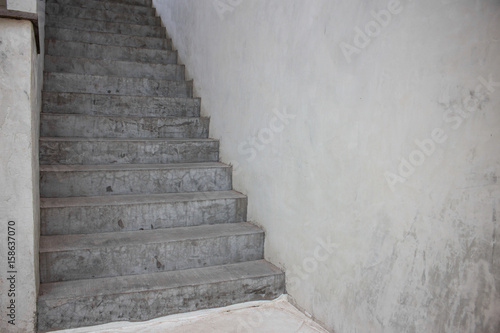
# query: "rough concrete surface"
{"type": "Point", "coordinates": [75, 257]}
{"type": "Point", "coordinates": [19, 112]}
{"type": "Point", "coordinates": [143, 297]}
{"type": "Point", "coordinates": [73, 125]}
{"type": "Point", "coordinates": [84, 215]}
{"type": "Point", "coordinates": [107, 5]}
{"type": "Point", "coordinates": [328, 111]}
{"type": "Point", "coordinates": [113, 67]}
{"type": "Point", "coordinates": [121, 151]}
{"type": "Point", "coordinates": [109, 52]}
{"type": "Point", "coordinates": [115, 85]}
{"type": "Point", "coordinates": [92, 180]}
{"type": "Point", "coordinates": [98, 104]}
{"type": "Point", "coordinates": [105, 38]}
{"type": "Point", "coordinates": [100, 14]}
{"type": "Point", "coordinates": [104, 26]}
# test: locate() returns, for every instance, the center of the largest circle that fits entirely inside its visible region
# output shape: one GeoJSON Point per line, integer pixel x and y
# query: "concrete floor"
{"type": "Point", "coordinates": [252, 317]}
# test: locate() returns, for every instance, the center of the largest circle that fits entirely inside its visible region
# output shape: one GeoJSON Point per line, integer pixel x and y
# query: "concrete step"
{"type": "Point", "coordinates": [77, 257]}
{"type": "Point", "coordinates": [87, 215]}
{"type": "Point", "coordinates": [106, 52]}
{"type": "Point", "coordinates": [115, 85]}
{"type": "Point", "coordinates": [100, 14]}
{"type": "Point", "coordinates": [96, 180]}
{"type": "Point", "coordinates": [85, 126]}
{"type": "Point", "coordinates": [141, 106]}
{"type": "Point", "coordinates": [104, 38]}
{"type": "Point", "coordinates": [57, 64]}
{"type": "Point", "coordinates": [121, 151]}
{"type": "Point", "coordinates": [114, 6]}
{"type": "Point", "coordinates": [103, 26]}
{"type": "Point", "coordinates": [147, 3]}
{"type": "Point", "coordinates": [142, 3]}
{"type": "Point", "coordinates": [142, 297]}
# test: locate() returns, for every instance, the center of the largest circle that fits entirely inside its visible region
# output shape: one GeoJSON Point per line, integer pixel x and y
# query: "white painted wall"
{"type": "Point", "coordinates": [419, 255]}
{"type": "Point", "coordinates": [20, 94]}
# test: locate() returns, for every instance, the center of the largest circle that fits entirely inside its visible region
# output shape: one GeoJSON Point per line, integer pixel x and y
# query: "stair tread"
{"type": "Point", "coordinates": [105, 35]}
{"type": "Point", "coordinates": [86, 25]}
{"type": "Point", "coordinates": [110, 62]}
{"type": "Point", "coordinates": [89, 49]}
{"type": "Point", "coordinates": [116, 85]}
{"type": "Point", "coordinates": [49, 75]}
{"type": "Point", "coordinates": [57, 17]}
{"type": "Point", "coordinates": [156, 281]}
{"type": "Point", "coordinates": [129, 167]}
{"type": "Point", "coordinates": [128, 199]}
{"type": "Point", "coordinates": [64, 243]}
{"type": "Point", "coordinates": [115, 4]}
{"type": "Point", "coordinates": [100, 14]}
{"type": "Point", "coordinates": [104, 104]}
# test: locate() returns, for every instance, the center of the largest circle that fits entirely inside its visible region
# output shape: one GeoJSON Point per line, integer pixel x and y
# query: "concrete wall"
{"type": "Point", "coordinates": [366, 135]}
{"type": "Point", "coordinates": [29, 6]}
{"type": "Point", "coordinates": [20, 94]}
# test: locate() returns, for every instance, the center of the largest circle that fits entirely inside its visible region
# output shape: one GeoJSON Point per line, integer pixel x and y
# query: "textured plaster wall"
{"type": "Point", "coordinates": [369, 149]}
{"type": "Point", "coordinates": [20, 87]}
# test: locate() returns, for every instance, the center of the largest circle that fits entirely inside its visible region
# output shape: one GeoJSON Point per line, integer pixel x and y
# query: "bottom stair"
{"type": "Point", "coordinates": [142, 297]}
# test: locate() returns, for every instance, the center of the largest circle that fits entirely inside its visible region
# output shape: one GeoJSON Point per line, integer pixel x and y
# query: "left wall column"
{"type": "Point", "coordinates": [21, 71]}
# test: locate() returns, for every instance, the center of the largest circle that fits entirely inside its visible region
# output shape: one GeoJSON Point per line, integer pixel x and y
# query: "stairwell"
{"type": "Point", "coordinates": [138, 216]}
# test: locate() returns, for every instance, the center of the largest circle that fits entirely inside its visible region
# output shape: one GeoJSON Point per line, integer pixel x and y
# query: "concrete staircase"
{"type": "Point", "coordinates": [138, 217]}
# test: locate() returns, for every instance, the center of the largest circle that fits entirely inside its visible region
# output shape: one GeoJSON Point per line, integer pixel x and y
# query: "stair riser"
{"type": "Point", "coordinates": [58, 82]}
{"type": "Point", "coordinates": [113, 68]}
{"type": "Point", "coordinates": [92, 183]}
{"type": "Point", "coordinates": [139, 306]}
{"type": "Point", "coordinates": [103, 26]}
{"type": "Point", "coordinates": [101, 15]}
{"type": "Point", "coordinates": [52, 125]}
{"type": "Point", "coordinates": [119, 105]}
{"type": "Point", "coordinates": [105, 52]}
{"type": "Point", "coordinates": [117, 152]}
{"type": "Point", "coordinates": [110, 218]}
{"type": "Point", "coordinates": [105, 39]}
{"type": "Point", "coordinates": [150, 258]}
{"type": "Point", "coordinates": [107, 5]}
